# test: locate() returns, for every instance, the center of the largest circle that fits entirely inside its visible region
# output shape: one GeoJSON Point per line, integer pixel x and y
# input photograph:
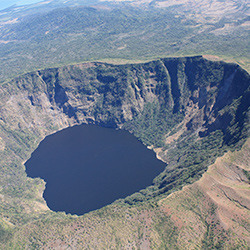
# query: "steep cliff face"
{"type": "Point", "coordinates": [189, 110]}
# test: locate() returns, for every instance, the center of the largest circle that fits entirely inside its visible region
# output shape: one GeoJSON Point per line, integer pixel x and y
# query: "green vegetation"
{"type": "Point", "coordinates": [247, 173]}
{"type": "Point", "coordinates": [152, 124]}
{"type": "Point", "coordinates": [71, 35]}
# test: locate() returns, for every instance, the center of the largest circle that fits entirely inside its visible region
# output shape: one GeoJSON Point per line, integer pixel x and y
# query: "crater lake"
{"type": "Point", "coordinates": [86, 167]}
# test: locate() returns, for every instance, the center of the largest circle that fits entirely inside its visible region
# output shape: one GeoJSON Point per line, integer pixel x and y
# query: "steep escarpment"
{"type": "Point", "coordinates": [189, 110]}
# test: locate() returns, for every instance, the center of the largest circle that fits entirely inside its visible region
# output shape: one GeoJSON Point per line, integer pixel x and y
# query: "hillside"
{"type": "Point", "coordinates": [189, 110]}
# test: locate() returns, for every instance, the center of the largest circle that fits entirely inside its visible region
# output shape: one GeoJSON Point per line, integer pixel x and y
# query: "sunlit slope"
{"type": "Point", "coordinates": [215, 210]}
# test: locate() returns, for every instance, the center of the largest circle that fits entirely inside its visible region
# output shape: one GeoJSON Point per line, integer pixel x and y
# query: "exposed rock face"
{"type": "Point", "coordinates": [189, 110]}
{"type": "Point", "coordinates": [120, 92]}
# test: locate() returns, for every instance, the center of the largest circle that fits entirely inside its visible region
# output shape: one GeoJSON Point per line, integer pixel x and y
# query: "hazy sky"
{"type": "Point", "coordinates": [6, 3]}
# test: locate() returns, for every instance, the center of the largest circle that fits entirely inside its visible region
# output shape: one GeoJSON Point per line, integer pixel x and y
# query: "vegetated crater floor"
{"type": "Point", "coordinates": [188, 110]}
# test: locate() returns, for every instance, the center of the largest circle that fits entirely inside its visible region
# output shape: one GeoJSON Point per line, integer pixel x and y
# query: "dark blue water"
{"type": "Point", "coordinates": [87, 167]}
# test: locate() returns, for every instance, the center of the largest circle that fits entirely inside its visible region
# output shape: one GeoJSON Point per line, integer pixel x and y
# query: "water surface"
{"type": "Point", "coordinates": [87, 167]}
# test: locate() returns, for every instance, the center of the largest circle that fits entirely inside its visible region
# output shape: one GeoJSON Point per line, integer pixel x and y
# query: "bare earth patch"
{"type": "Point", "coordinates": [220, 198]}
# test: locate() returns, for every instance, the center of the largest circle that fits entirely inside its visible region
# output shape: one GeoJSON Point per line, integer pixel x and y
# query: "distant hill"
{"type": "Point", "coordinates": [43, 35]}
